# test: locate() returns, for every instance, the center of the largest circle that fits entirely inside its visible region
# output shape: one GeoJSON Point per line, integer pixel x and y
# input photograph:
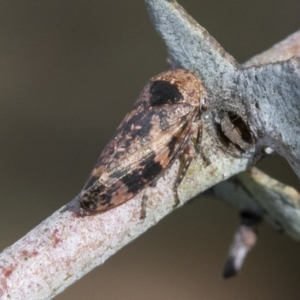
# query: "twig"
{"type": "Point", "coordinates": [66, 246]}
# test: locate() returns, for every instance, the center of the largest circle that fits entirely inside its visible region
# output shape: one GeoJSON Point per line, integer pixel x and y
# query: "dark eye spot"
{"type": "Point", "coordinates": [163, 92]}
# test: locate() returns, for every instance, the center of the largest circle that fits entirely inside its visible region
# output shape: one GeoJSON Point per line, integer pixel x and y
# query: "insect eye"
{"type": "Point", "coordinates": [163, 92]}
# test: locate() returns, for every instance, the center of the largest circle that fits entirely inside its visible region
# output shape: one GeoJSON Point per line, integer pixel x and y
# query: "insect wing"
{"type": "Point", "coordinates": [151, 144]}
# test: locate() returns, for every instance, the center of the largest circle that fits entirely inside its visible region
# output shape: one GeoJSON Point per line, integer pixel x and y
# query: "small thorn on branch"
{"type": "Point", "coordinates": [244, 240]}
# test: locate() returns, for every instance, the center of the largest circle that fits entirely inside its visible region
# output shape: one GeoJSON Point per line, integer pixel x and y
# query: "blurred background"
{"type": "Point", "coordinates": [69, 72]}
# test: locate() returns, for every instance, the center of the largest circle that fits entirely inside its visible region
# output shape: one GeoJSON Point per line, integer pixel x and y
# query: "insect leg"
{"type": "Point", "coordinates": [200, 148]}
{"type": "Point", "coordinates": [185, 160]}
{"type": "Point", "coordinates": [186, 156]}
{"type": "Point", "coordinates": [144, 206]}
{"type": "Point", "coordinates": [145, 198]}
{"type": "Point", "coordinates": [199, 138]}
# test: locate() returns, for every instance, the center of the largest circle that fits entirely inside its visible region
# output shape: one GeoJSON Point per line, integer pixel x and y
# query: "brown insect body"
{"type": "Point", "coordinates": [147, 142]}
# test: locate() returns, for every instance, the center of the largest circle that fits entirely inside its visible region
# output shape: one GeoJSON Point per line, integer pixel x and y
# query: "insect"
{"type": "Point", "coordinates": [163, 125]}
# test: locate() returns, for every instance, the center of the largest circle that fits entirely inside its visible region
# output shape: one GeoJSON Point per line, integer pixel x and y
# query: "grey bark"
{"type": "Point", "coordinates": [245, 104]}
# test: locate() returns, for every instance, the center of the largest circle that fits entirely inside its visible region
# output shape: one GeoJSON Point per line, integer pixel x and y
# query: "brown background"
{"type": "Point", "coordinates": [69, 71]}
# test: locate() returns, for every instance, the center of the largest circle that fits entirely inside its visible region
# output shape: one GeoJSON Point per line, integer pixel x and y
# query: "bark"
{"type": "Point", "coordinates": [253, 109]}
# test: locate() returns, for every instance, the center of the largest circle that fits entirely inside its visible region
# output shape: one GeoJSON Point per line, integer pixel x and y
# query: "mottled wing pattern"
{"type": "Point", "coordinates": [145, 144]}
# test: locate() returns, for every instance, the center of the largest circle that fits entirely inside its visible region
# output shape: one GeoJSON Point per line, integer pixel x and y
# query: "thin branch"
{"type": "Point", "coordinates": [257, 192]}
{"type": "Point", "coordinates": [66, 246]}
{"type": "Point", "coordinates": [283, 50]}
{"type": "Point", "coordinates": [189, 45]}
{"type": "Point", "coordinates": [253, 91]}
{"type": "Point", "coordinates": [244, 240]}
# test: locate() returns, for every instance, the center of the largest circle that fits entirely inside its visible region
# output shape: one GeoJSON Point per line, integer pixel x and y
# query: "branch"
{"type": "Point", "coordinates": [189, 45]}
{"type": "Point", "coordinates": [258, 89]}
{"type": "Point", "coordinates": [66, 246]}
{"type": "Point", "coordinates": [284, 50]}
